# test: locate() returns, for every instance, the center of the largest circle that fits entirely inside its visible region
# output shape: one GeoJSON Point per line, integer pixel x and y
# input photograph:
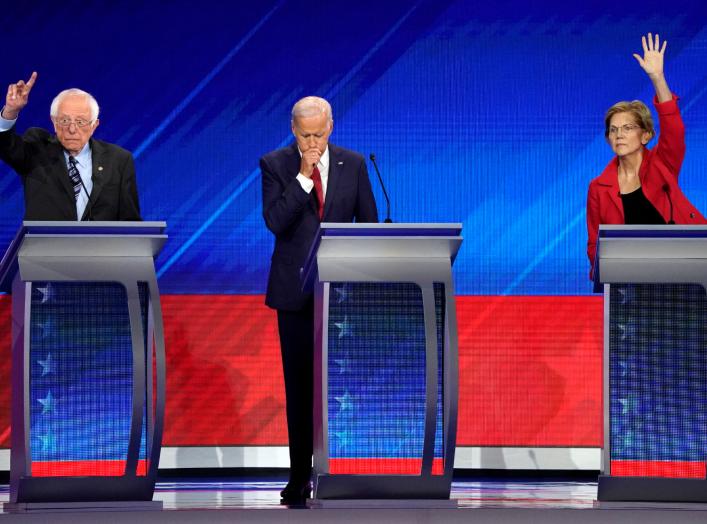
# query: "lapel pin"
{"type": "Point", "coordinates": [340, 163]}
{"type": "Point", "coordinates": [100, 168]}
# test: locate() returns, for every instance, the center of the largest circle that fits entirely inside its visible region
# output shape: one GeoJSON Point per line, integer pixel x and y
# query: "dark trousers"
{"type": "Point", "coordinates": [296, 330]}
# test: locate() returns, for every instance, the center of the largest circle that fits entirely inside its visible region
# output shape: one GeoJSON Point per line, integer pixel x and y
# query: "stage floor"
{"type": "Point", "coordinates": [477, 501]}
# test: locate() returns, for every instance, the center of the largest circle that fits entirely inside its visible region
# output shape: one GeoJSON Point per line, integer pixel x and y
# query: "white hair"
{"type": "Point", "coordinates": [311, 106]}
{"type": "Point", "coordinates": [92, 104]}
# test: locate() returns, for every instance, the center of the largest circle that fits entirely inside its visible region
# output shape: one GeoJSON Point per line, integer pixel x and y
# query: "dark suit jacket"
{"type": "Point", "coordinates": [291, 214]}
{"type": "Point", "coordinates": [38, 158]}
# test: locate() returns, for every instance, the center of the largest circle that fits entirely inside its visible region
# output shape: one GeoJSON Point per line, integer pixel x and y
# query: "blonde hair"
{"type": "Point", "coordinates": [637, 109]}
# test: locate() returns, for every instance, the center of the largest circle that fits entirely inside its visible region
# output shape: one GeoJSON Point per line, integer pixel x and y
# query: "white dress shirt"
{"type": "Point", "coordinates": [5, 124]}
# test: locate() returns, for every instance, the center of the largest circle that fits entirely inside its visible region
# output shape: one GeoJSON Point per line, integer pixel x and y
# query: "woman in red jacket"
{"type": "Point", "coordinates": [640, 185]}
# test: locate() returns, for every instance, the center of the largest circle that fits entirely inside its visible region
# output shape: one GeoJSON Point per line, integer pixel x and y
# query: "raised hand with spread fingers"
{"type": "Point", "coordinates": [652, 63]}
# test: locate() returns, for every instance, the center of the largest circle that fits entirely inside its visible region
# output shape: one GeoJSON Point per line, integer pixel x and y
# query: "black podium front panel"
{"type": "Point", "coordinates": [658, 380]}
{"type": "Point", "coordinates": [81, 379]}
{"type": "Point", "coordinates": [376, 379]}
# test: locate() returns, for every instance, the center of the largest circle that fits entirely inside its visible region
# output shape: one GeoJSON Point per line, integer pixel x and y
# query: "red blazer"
{"type": "Point", "coordinates": [659, 173]}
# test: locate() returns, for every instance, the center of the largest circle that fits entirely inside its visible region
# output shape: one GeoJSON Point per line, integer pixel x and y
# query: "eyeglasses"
{"type": "Point", "coordinates": [66, 122]}
{"type": "Point", "coordinates": [626, 128]}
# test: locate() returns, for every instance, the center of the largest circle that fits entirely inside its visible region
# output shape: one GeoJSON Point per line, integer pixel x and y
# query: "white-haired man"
{"type": "Point", "coordinates": [309, 182]}
{"type": "Point", "coordinates": [70, 175]}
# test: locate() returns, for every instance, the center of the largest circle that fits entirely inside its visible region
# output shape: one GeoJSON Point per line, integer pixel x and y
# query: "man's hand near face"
{"type": "Point", "coordinates": [310, 158]}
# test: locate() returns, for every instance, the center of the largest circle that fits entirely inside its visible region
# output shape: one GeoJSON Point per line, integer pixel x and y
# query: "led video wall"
{"type": "Point", "coordinates": [487, 114]}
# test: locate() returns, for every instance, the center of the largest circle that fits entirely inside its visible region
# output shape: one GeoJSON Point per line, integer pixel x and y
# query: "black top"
{"type": "Point", "coordinates": [639, 210]}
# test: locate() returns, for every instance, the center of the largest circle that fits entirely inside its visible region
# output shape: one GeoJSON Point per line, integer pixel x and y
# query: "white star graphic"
{"type": "Point", "coordinates": [47, 365]}
{"type": "Point", "coordinates": [344, 365]}
{"type": "Point", "coordinates": [622, 331]}
{"type": "Point", "coordinates": [343, 438]}
{"type": "Point", "coordinates": [47, 403]}
{"type": "Point", "coordinates": [345, 402]}
{"type": "Point", "coordinates": [623, 367]}
{"type": "Point", "coordinates": [44, 328]}
{"type": "Point", "coordinates": [48, 442]}
{"type": "Point", "coordinates": [45, 292]}
{"type": "Point", "coordinates": [624, 405]}
{"type": "Point", "coordinates": [622, 293]}
{"type": "Point", "coordinates": [342, 294]}
{"type": "Point", "coordinates": [343, 327]}
{"type": "Point", "coordinates": [627, 440]}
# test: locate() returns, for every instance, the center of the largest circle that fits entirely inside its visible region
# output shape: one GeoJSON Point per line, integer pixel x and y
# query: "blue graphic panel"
{"type": "Point", "coordinates": [376, 389]}
{"type": "Point", "coordinates": [81, 371]}
{"type": "Point", "coordinates": [658, 372]}
{"type": "Point", "coordinates": [499, 103]}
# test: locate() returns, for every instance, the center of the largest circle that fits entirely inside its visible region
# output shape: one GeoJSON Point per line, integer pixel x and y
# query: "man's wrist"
{"type": "Point", "coordinates": [305, 182]}
{"type": "Point", "coordinates": [7, 115]}
{"type": "Point", "coordinates": [304, 171]}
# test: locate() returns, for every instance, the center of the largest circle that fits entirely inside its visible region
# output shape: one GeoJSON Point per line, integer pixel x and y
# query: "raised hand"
{"type": "Point", "coordinates": [17, 97]}
{"type": "Point", "coordinates": [652, 64]}
{"type": "Point", "coordinates": [653, 53]}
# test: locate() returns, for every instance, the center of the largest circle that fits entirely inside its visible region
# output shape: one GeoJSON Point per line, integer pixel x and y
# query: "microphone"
{"type": "Point", "coordinates": [90, 204]}
{"type": "Point", "coordinates": [666, 188]}
{"type": "Point", "coordinates": [385, 193]}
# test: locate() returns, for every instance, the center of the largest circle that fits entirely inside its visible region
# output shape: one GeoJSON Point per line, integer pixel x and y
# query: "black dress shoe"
{"type": "Point", "coordinates": [295, 494]}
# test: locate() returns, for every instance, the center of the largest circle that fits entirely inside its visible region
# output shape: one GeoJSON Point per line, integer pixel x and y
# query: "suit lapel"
{"type": "Point", "coordinates": [98, 174]}
{"type": "Point", "coordinates": [336, 166]}
{"type": "Point", "coordinates": [610, 178]}
{"type": "Point", "coordinates": [293, 161]}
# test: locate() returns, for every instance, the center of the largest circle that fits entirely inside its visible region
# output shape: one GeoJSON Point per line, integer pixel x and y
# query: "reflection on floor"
{"type": "Point", "coordinates": [478, 500]}
{"type": "Point", "coordinates": [468, 494]}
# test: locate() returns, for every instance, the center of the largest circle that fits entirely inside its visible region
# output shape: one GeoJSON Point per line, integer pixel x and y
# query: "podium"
{"type": "Point", "coordinates": [386, 370]}
{"type": "Point", "coordinates": [655, 362]}
{"type": "Point", "coordinates": [88, 364]}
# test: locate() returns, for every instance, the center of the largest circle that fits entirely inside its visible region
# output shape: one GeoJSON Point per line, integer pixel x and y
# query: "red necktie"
{"type": "Point", "coordinates": [319, 189]}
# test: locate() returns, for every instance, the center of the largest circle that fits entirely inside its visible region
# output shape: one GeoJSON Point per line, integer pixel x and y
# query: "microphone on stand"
{"type": "Point", "coordinates": [385, 193]}
{"type": "Point", "coordinates": [666, 188]}
{"type": "Point", "coordinates": [89, 205]}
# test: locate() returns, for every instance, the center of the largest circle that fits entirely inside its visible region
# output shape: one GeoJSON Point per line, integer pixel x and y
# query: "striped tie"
{"type": "Point", "coordinates": [75, 177]}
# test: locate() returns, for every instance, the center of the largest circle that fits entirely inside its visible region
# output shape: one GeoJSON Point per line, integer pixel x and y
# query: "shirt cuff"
{"type": "Point", "coordinates": [5, 124]}
{"type": "Point", "coordinates": [668, 107]}
{"type": "Point", "coordinates": [305, 182]}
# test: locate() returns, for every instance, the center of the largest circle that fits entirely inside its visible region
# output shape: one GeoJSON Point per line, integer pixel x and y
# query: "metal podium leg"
{"type": "Point", "coordinates": [20, 451]}
{"type": "Point", "coordinates": [428, 448]}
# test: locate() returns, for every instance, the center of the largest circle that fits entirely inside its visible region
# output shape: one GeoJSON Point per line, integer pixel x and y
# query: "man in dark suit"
{"type": "Point", "coordinates": [309, 182]}
{"type": "Point", "coordinates": [70, 176]}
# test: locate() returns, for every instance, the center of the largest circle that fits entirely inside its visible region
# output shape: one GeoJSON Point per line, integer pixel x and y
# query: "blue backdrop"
{"type": "Point", "coordinates": [490, 115]}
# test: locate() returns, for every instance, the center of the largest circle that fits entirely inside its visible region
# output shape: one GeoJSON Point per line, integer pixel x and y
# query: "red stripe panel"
{"type": "Point", "coordinates": [376, 466]}
{"type": "Point", "coordinates": [85, 468]}
{"type": "Point", "coordinates": [530, 371]}
{"type": "Point", "coordinates": [224, 375]}
{"type": "Point", "coordinates": [658, 468]}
